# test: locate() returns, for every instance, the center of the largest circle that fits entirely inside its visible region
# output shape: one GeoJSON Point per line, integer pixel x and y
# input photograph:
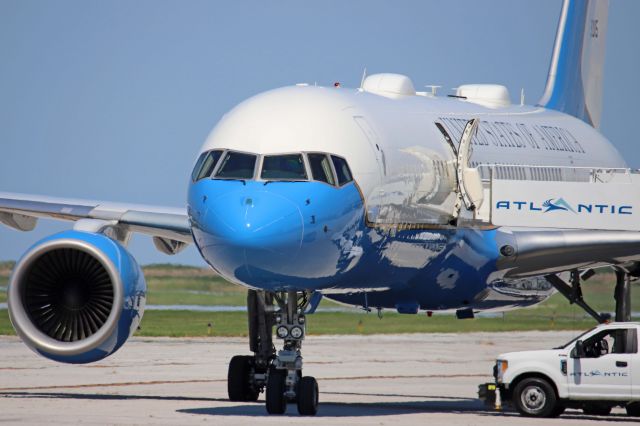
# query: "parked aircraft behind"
{"type": "Point", "coordinates": [380, 196]}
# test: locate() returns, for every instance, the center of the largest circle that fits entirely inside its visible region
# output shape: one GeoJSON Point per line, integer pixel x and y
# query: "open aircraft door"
{"type": "Point", "coordinates": [428, 187]}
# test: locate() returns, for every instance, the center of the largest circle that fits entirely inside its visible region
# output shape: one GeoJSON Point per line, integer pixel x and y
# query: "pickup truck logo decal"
{"type": "Point", "coordinates": [596, 373]}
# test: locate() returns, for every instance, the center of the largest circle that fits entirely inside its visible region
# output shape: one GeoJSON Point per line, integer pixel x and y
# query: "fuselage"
{"type": "Point", "coordinates": [271, 207]}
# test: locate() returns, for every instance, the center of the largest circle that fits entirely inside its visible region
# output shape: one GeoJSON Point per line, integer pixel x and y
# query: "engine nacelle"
{"type": "Point", "coordinates": [76, 297]}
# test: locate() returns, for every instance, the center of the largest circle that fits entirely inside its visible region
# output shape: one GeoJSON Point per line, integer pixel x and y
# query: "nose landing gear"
{"type": "Point", "coordinates": [281, 373]}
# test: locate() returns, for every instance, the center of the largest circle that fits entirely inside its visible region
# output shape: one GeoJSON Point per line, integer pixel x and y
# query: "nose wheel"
{"type": "Point", "coordinates": [276, 400]}
{"type": "Point", "coordinates": [308, 396]}
{"type": "Point", "coordinates": [278, 374]}
{"type": "Point", "coordinates": [277, 396]}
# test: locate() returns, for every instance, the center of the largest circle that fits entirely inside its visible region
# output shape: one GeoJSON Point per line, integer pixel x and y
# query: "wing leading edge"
{"type": "Point", "coordinates": [169, 226]}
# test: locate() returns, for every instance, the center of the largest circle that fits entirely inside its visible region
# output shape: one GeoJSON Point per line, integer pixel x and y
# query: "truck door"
{"type": "Point", "coordinates": [632, 338]}
{"type": "Point", "coordinates": [606, 370]}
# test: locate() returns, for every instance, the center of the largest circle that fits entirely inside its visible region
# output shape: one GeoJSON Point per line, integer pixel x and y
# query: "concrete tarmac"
{"type": "Point", "coordinates": [385, 379]}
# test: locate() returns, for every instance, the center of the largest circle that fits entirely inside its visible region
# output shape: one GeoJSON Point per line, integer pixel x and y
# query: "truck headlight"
{"type": "Point", "coordinates": [501, 368]}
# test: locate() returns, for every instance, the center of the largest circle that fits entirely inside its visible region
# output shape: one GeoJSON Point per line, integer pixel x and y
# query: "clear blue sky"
{"type": "Point", "coordinates": [112, 99]}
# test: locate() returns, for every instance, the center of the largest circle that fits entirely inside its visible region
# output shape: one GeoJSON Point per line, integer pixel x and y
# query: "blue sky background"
{"type": "Point", "coordinates": [112, 99]}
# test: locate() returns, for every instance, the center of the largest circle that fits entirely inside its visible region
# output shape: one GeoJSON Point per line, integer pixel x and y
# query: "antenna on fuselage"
{"type": "Point", "coordinates": [434, 88]}
{"type": "Point", "coordinates": [522, 96]}
{"type": "Point", "coordinates": [364, 76]}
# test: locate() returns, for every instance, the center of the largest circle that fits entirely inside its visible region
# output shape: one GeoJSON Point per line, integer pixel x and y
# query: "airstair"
{"type": "Point", "coordinates": [558, 197]}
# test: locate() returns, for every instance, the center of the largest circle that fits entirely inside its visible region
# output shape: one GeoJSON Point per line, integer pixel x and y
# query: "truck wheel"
{"type": "Point", "coordinates": [534, 397]}
{"type": "Point", "coordinates": [633, 409]}
{"type": "Point", "coordinates": [596, 410]}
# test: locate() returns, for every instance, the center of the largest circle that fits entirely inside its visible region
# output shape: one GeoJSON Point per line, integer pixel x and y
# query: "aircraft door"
{"type": "Point", "coordinates": [418, 183]}
{"type": "Point", "coordinates": [374, 142]}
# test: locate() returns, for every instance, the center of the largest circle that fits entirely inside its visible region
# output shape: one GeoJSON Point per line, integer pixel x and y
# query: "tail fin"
{"type": "Point", "coordinates": [574, 84]}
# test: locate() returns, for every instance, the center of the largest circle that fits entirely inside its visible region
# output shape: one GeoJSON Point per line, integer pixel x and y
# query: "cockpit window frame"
{"type": "Point", "coordinates": [305, 162]}
{"type": "Point", "coordinates": [258, 162]}
{"type": "Point", "coordinates": [333, 166]}
{"type": "Point", "coordinates": [199, 165]}
{"type": "Point", "coordinates": [333, 171]}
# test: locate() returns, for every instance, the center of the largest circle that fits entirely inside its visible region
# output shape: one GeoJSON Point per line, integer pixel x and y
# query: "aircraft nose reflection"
{"type": "Point", "coordinates": [260, 228]}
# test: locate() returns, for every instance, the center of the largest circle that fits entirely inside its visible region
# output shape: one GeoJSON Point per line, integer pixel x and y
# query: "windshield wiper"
{"type": "Point", "coordinates": [283, 180]}
{"type": "Point", "coordinates": [244, 181]}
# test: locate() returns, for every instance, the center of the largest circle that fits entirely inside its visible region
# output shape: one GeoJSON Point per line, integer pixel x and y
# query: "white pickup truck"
{"type": "Point", "coordinates": [595, 371]}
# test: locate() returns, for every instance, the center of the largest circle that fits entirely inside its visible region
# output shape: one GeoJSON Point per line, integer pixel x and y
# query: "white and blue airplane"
{"type": "Point", "coordinates": [380, 197]}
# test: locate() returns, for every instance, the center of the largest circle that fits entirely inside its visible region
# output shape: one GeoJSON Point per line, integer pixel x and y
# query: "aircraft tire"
{"type": "Point", "coordinates": [307, 396]}
{"type": "Point", "coordinates": [276, 401]}
{"type": "Point", "coordinates": [239, 379]}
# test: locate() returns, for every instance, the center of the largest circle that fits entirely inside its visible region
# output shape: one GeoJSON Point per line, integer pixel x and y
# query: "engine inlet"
{"type": "Point", "coordinates": [67, 294]}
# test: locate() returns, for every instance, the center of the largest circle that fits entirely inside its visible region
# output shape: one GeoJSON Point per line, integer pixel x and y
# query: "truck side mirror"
{"type": "Point", "coordinates": [578, 350]}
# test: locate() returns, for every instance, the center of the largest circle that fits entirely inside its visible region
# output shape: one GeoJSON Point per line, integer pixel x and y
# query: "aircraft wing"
{"type": "Point", "coordinates": [550, 251]}
{"type": "Point", "coordinates": [169, 226]}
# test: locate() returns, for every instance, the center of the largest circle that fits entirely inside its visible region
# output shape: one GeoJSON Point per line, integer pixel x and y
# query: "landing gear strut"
{"type": "Point", "coordinates": [279, 374]}
{"type": "Point", "coordinates": [247, 375]}
{"type": "Point", "coordinates": [573, 292]}
{"type": "Point", "coordinates": [622, 296]}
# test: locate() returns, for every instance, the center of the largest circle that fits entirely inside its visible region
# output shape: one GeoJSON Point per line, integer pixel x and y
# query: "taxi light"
{"type": "Point", "coordinates": [282, 332]}
{"type": "Point", "coordinates": [296, 332]}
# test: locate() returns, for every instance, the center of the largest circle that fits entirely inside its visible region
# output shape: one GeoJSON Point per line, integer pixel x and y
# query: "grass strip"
{"type": "Point", "coordinates": [202, 324]}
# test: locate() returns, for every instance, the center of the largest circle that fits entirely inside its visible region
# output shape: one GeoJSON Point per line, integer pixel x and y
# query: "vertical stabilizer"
{"type": "Point", "coordinates": [574, 84]}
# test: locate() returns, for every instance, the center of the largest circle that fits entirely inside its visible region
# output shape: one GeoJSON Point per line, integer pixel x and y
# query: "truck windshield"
{"type": "Point", "coordinates": [575, 339]}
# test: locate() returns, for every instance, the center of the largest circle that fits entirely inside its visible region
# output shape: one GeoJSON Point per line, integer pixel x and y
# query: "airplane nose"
{"type": "Point", "coordinates": [261, 228]}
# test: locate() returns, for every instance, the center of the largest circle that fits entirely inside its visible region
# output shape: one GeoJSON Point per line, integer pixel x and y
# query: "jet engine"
{"type": "Point", "coordinates": [76, 297]}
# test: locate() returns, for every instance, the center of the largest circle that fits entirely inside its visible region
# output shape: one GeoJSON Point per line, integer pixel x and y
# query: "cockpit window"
{"type": "Point", "coordinates": [287, 167]}
{"type": "Point", "coordinates": [196, 168]}
{"type": "Point", "coordinates": [321, 168]}
{"type": "Point", "coordinates": [205, 164]}
{"type": "Point", "coordinates": [236, 165]}
{"type": "Point", "coordinates": [224, 164]}
{"type": "Point", "coordinates": [342, 170]}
